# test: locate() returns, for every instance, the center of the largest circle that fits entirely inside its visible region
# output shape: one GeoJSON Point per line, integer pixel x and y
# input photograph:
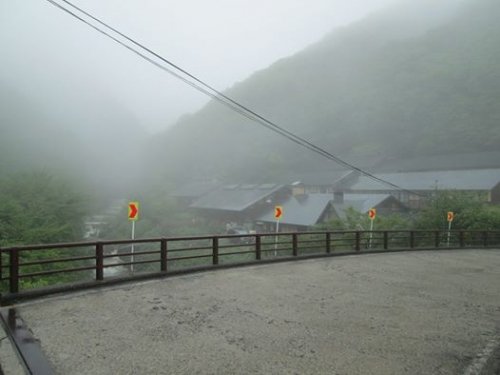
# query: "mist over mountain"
{"type": "Point", "coordinates": [93, 141]}
{"type": "Point", "coordinates": [414, 80]}
{"type": "Point", "coordinates": [30, 137]}
{"type": "Point", "coordinates": [419, 78]}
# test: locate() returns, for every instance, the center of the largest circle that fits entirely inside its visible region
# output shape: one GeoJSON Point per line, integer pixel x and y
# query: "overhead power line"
{"type": "Point", "coordinates": [210, 91]}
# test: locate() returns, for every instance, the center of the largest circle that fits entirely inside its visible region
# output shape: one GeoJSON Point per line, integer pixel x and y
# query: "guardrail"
{"type": "Point", "coordinates": [29, 271]}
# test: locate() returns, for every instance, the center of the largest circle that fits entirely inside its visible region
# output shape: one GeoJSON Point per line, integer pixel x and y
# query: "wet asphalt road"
{"type": "Point", "coordinates": [405, 313]}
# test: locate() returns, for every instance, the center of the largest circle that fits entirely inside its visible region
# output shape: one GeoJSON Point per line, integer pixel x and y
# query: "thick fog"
{"type": "Point", "coordinates": [74, 99]}
{"type": "Point", "coordinates": [367, 81]}
{"type": "Point", "coordinates": [52, 58]}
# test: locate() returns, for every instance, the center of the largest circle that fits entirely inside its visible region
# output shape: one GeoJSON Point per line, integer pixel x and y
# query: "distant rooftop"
{"type": "Point", "coordinates": [307, 209]}
{"type": "Point", "coordinates": [304, 210]}
{"type": "Point", "coordinates": [472, 179]}
{"type": "Point", "coordinates": [194, 189]}
{"type": "Point", "coordinates": [361, 203]}
{"type": "Point", "coordinates": [477, 160]}
{"type": "Point", "coordinates": [235, 197]}
{"type": "Point", "coordinates": [318, 178]}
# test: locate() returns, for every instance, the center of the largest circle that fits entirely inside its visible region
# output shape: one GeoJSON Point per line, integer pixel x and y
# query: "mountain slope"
{"type": "Point", "coordinates": [384, 87]}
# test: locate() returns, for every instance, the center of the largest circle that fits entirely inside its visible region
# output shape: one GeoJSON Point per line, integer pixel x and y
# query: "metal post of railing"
{"type": "Point", "coordinates": [461, 237]}
{"type": "Point", "coordinates": [163, 254]}
{"type": "Point", "coordinates": [99, 261]}
{"type": "Point", "coordinates": [358, 241]}
{"type": "Point", "coordinates": [386, 240]}
{"type": "Point", "coordinates": [412, 239]}
{"type": "Point", "coordinates": [485, 239]}
{"type": "Point", "coordinates": [1, 273]}
{"type": "Point", "coordinates": [215, 250]}
{"type": "Point", "coordinates": [14, 271]}
{"type": "Point", "coordinates": [328, 242]}
{"type": "Point", "coordinates": [437, 237]}
{"type": "Point", "coordinates": [258, 254]}
{"type": "Point", "coordinates": [294, 244]}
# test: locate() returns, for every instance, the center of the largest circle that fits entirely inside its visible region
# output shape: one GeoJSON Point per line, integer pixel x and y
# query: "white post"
{"type": "Point", "coordinates": [371, 234]}
{"type": "Point", "coordinates": [276, 237]}
{"type": "Point", "coordinates": [133, 237]}
{"type": "Point", "coordinates": [449, 230]}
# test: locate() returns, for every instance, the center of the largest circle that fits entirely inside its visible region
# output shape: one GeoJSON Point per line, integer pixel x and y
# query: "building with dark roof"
{"type": "Point", "coordinates": [239, 202]}
{"type": "Point", "coordinates": [385, 204]}
{"type": "Point", "coordinates": [299, 212]}
{"type": "Point", "coordinates": [320, 181]}
{"type": "Point", "coordinates": [192, 191]}
{"type": "Point", "coordinates": [484, 182]}
{"type": "Point", "coordinates": [476, 160]}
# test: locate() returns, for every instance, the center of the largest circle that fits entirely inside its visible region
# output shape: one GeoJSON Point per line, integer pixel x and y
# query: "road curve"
{"type": "Point", "coordinates": [426, 312]}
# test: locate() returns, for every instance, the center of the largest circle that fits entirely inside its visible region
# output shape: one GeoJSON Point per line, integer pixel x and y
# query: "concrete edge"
{"type": "Point", "coordinates": [28, 349]}
{"type": "Point", "coordinates": [12, 298]}
{"type": "Point", "coordinates": [10, 359]}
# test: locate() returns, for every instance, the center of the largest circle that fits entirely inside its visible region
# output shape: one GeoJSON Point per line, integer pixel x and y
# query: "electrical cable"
{"type": "Point", "coordinates": [216, 94]}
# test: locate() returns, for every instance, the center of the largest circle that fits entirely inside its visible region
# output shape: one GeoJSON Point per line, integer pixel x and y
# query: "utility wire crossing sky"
{"type": "Point", "coordinates": [210, 90]}
{"type": "Point", "coordinates": [224, 41]}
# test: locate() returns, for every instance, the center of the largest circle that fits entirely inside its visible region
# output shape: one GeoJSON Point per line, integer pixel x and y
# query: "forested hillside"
{"type": "Point", "coordinates": [393, 85]}
{"type": "Point", "coordinates": [59, 164]}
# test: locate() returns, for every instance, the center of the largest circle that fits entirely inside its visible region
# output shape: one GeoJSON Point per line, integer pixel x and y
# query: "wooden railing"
{"type": "Point", "coordinates": [27, 271]}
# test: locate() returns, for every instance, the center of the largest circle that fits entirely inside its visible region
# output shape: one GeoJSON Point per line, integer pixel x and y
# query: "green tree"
{"type": "Point", "coordinates": [482, 218]}
{"type": "Point", "coordinates": [40, 208]}
{"type": "Point", "coordinates": [355, 220]}
{"type": "Point", "coordinates": [160, 215]}
{"type": "Point", "coordinates": [469, 211]}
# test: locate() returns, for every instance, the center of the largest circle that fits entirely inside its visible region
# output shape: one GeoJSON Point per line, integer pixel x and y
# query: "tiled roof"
{"type": "Point", "coordinates": [360, 202]}
{"type": "Point", "coordinates": [304, 210]}
{"type": "Point", "coordinates": [317, 178]}
{"type": "Point", "coordinates": [236, 197]}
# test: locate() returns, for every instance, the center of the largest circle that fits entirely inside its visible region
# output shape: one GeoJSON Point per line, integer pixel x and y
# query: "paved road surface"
{"type": "Point", "coordinates": [404, 313]}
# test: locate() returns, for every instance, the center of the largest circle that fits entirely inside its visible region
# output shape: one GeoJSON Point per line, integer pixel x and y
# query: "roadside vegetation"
{"type": "Point", "coordinates": [470, 213]}
{"type": "Point", "coordinates": [40, 208]}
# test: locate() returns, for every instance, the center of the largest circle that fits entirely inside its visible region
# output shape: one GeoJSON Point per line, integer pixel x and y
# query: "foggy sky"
{"type": "Point", "coordinates": [53, 59]}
